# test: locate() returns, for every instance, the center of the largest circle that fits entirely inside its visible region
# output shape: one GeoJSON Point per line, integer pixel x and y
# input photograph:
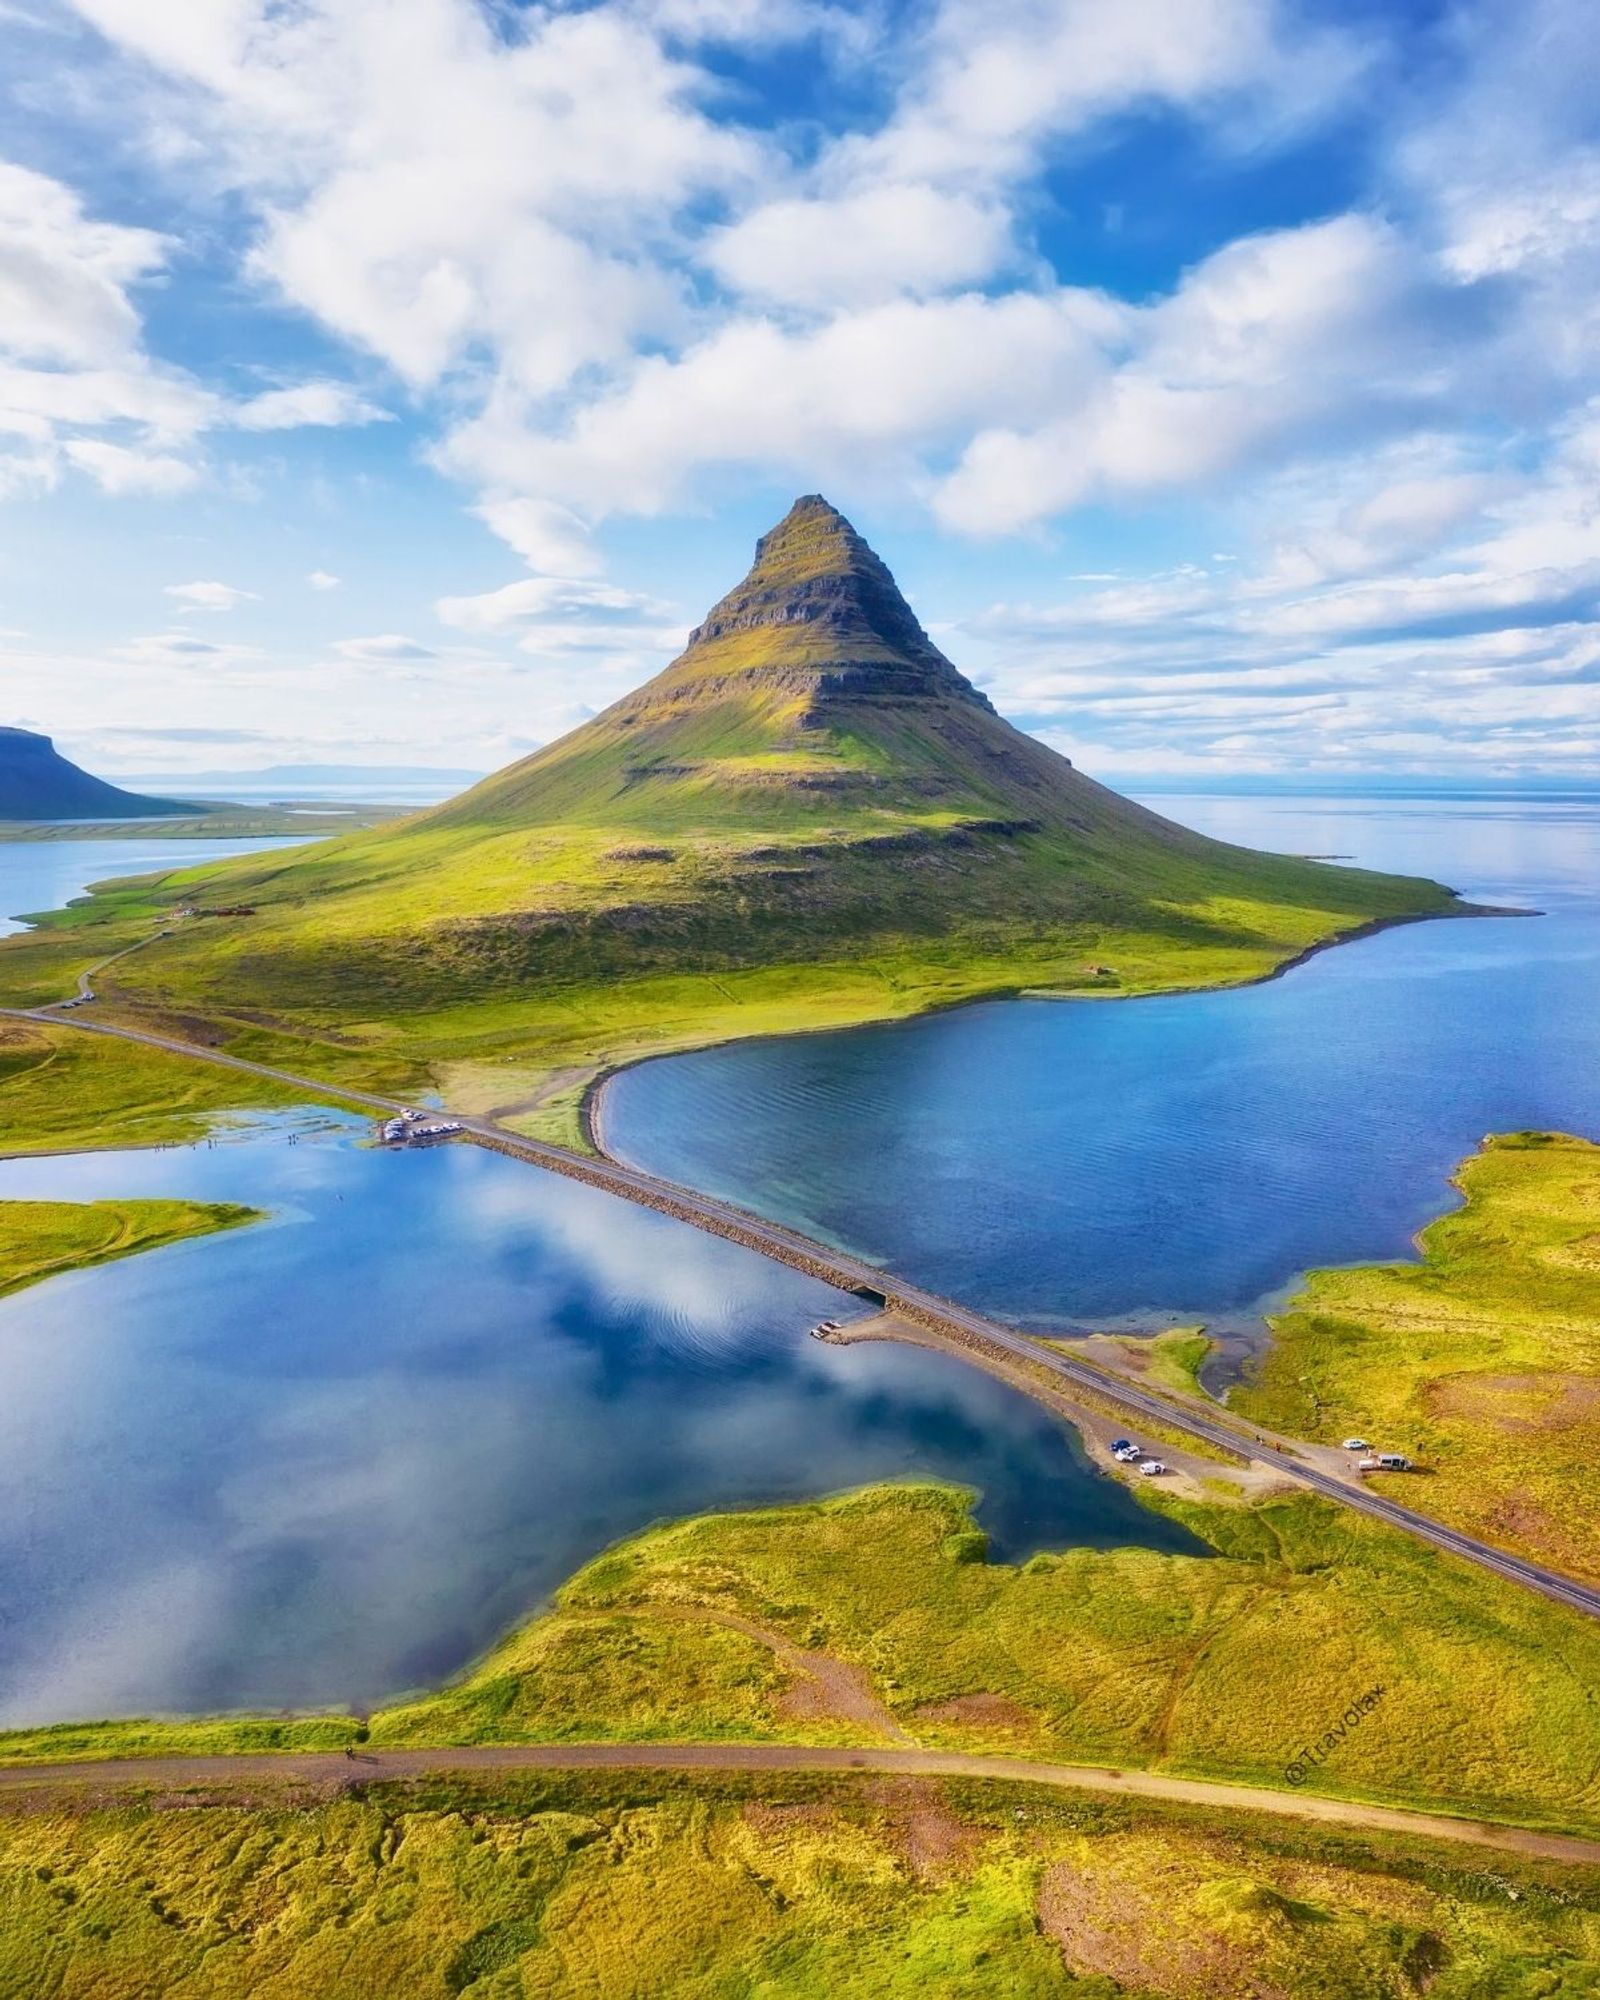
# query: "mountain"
{"type": "Point", "coordinates": [37, 782]}
{"type": "Point", "coordinates": [809, 817]}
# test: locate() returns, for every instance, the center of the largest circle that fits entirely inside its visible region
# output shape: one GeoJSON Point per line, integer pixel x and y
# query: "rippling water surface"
{"type": "Point", "coordinates": [1185, 1157]}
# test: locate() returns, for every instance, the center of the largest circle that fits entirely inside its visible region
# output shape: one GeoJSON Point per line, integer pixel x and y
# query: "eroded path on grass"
{"type": "Point", "coordinates": [944, 1322]}
{"type": "Point", "coordinates": [97, 1783]}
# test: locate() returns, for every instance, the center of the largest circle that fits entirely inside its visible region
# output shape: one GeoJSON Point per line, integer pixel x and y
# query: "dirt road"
{"type": "Point", "coordinates": [210, 1774]}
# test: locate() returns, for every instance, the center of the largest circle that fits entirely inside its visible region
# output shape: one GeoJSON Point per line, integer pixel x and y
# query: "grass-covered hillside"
{"type": "Point", "coordinates": [658, 1887]}
{"type": "Point", "coordinates": [808, 818]}
{"type": "Point", "coordinates": [1481, 1360]}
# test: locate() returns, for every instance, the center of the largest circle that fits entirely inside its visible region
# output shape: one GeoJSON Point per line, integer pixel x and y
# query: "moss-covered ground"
{"type": "Point", "coordinates": [42, 1239]}
{"type": "Point", "coordinates": [1481, 1360]}
{"type": "Point", "coordinates": [64, 1091]}
{"type": "Point", "coordinates": [876, 1614]}
{"type": "Point", "coordinates": [646, 1887]}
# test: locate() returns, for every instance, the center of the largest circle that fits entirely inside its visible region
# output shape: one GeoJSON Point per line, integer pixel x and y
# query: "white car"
{"type": "Point", "coordinates": [1355, 1444]}
{"type": "Point", "coordinates": [1152, 1468]}
{"type": "Point", "coordinates": [1129, 1453]}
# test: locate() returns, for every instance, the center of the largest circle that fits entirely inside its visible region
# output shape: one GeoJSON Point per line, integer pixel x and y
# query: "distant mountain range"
{"type": "Point", "coordinates": [322, 781]}
{"type": "Point", "coordinates": [37, 782]}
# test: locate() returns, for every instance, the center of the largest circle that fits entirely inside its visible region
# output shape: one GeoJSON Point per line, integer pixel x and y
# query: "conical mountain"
{"type": "Point", "coordinates": [810, 689]}
{"type": "Point", "coordinates": [809, 816]}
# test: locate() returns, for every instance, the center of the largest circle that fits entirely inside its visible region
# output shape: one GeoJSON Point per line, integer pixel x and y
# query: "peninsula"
{"type": "Point", "coordinates": [810, 818]}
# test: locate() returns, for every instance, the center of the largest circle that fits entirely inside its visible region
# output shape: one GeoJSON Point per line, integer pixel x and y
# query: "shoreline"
{"type": "Point", "coordinates": [591, 1102]}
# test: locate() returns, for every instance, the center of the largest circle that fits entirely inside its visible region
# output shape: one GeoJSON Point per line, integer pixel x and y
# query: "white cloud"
{"type": "Point", "coordinates": [992, 87]}
{"type": "Point", "coordinates": [555, 616]}
{"type": "Point", "coordinates": [1267, 340]}
{"type": "Point", "coordinates": [544, 533]}
{"type": "Point", "coordinates": [384, 646]}
{"type": "Point", "coordinates": [538, 599]}
{"type": "Point", "coordinates": [171, 648]}
{"type": "Point", "coordinates": [872, 244]}
{"type": "Point", "coordinates": [126, 469]}
{"type": "Point", "coordinates": [321, 579]}
{"type": "Point", "coordinates": [64, 278]}
{"type": "Point", "coordinates": [325, 404]}
{"type": "Point", "coordinates": [895, 381]}
{"type": "Point", "coordinates": [210, 596]}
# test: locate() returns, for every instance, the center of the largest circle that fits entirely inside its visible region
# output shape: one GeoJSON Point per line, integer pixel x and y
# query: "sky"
{"type": "Point", "coordinates": [397, 381]}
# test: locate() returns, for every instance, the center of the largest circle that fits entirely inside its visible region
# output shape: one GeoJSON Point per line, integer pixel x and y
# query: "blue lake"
{"type": "Point", "coordinates": [1184, 1158]}
{"type": "Point", "coordinates": [40, 875]}
{"type": "Point", "coordinates": [331, 1457]}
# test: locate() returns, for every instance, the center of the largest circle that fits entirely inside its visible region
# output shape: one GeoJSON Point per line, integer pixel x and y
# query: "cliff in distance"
{"type": "Point", "coordinates": [37, 782]}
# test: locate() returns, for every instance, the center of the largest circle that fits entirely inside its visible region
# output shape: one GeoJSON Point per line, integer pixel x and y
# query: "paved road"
{"type": "Point", "coordinates": [954, 1325]}
{"type": "Point", "coordinates": [209, 1774]}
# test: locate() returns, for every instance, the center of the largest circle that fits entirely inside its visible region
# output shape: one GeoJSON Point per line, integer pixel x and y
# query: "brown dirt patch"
{"type": "Point", "coordinates": [1582, 1254]}
{"type": "Point", "coordinates": [824, 1688]}
{"type": "Point", "coordinates": [993, 1712]}
{"type": "Point", "coordinates": [772, 1824]}
{"type": "Point", "coordinates": [1527, 1403]}
{"type": "Point", "coordinates": [934, 1842]}
{"type": "Point", "coordinates": [1114, 1929]}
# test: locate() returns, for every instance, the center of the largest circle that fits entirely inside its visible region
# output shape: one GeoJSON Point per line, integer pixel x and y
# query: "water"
{"type": "Point", "coordinates": [330, 1458]}
{"type": "Point", "coordinates": [40, 875]}
{"type": "Point", "coordinates": [1184, 1158]}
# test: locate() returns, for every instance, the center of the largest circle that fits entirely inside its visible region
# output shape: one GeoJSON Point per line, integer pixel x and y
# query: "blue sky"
{"type": "Point", "coordinates": [396, 381]}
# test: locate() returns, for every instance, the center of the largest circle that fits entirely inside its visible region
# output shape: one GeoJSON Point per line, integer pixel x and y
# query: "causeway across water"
{"type": "Point", "coordinates": [942, 1321]}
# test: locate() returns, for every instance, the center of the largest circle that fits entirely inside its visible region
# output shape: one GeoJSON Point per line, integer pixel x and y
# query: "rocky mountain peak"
{"type": "Point", "coordinates": [819, 600]}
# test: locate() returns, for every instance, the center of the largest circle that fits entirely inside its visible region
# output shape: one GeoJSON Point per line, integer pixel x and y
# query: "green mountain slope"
{"type": "Point", "coordinates": [809, 817]}
{"type": "Point", "coordinates": [37, 782]}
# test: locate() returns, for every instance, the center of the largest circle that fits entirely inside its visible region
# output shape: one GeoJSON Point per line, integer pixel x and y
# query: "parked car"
{"type": "Point", "coordinates": [1355, 1444]}
{"type": "Point", "coordinates": [1152, 1468]}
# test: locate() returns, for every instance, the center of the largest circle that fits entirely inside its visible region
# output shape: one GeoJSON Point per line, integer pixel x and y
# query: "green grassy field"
{"type": "Point", "coordinates": [793, 1888]}
{"type": "Point", "coordinates": [1225, 1667]}
{"type": "Point", "coordinates": [64, 1091]}
{"type": "Point", "coordinates": [42, 1239]}
{"type": "Point", "coordinates": [1482, 1359]}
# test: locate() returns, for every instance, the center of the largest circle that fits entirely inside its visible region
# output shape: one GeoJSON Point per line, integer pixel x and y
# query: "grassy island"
{"type": "Point", "coordinates": [1481, 1360]}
